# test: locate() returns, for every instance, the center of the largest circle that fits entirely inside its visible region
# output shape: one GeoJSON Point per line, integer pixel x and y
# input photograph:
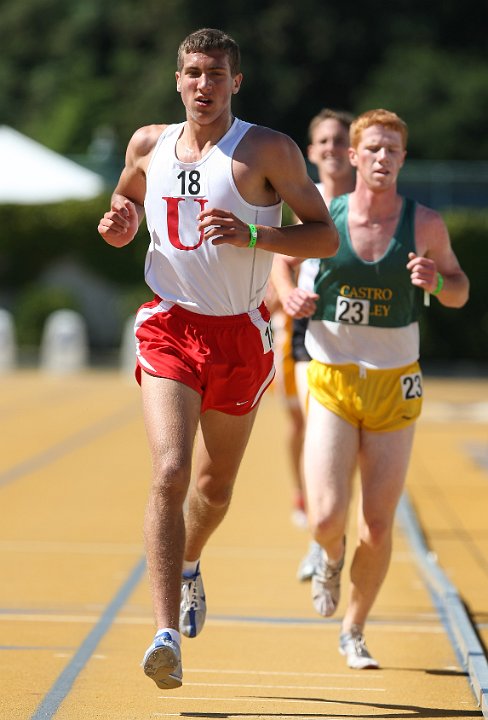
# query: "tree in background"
{"type": "Point", "coordinates": [72, 71]}
{"type": "Point", "coordinates": [444, 96]}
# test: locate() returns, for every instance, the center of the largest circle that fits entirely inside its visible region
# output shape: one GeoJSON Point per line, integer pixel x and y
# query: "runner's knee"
{"type": "Point", "coordinates": [215, 494]}
{"type": "Point", "coordinates": [376, 533]}
{"type": "Point", "coordinates": [327, 528]}
{"type": "Point", "coordinates": [170, 480]}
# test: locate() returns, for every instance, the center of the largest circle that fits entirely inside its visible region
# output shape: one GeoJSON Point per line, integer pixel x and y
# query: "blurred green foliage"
{"type": "Point", "coordinates": [71, 70]}
{"type": "Point", "coordinates": [34, 239]}
{"type": "Point", "coordinates": [66, 230]}
{"type": "Point", "coordinates": [448, 334]}
{"type": "Point", "coordinates": [35, 304]}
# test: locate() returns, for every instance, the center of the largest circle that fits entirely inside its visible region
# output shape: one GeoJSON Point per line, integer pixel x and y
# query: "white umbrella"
{"type": "Point", "coordinates": [31, 173]}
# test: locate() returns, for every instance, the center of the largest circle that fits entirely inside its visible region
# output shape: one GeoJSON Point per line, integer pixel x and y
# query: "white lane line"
{"type": "Point", "coordinates": [302, 688]}
{"type": "Point", "coordinates": [88, 548]}
{"type": "Point", "coordinates": [278, 673]}
{"type": "Point", "coordinates": [312, 624]}
{"type": "Point", "coordinates": [314, 701]}
{"type": "Point", "coordinates": [40, 547]}
{"type": "Point", "coordinates": [12, 616]}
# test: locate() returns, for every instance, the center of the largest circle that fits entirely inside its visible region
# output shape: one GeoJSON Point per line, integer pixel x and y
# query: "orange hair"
{"type": "Point", "coordinates": [386, 118]}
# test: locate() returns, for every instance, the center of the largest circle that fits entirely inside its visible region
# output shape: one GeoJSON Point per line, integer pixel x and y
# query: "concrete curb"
{"type": "Point", "coordinates": [450, 606]}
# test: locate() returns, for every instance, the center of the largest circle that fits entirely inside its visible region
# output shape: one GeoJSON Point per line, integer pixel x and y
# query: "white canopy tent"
{"type": "Point", "coordinates": [31, 173]}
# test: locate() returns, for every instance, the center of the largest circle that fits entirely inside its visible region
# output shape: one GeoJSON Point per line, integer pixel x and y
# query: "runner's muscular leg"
{"type": "Point", "coordinates": [222, 440]}
{"type": "Point", "coordinates": [171, 414]}
{"type": "Point", "coordinates": [384, 459]}
{"type": "Point", "coordinates": [330, 456]}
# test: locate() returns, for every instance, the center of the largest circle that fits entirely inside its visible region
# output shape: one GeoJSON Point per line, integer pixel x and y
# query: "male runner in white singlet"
{"type": "Point", "coordinates": [212, 189]}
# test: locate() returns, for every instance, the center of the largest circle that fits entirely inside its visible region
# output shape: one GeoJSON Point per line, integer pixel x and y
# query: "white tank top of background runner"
{"type": "Point", "coordinates": [181, 266]}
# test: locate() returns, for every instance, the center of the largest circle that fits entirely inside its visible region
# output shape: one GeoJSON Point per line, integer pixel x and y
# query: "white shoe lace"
{"type": "Point", "coordinates": [359, 643]}
{"type": "Point", "coordinates": [190, 598]}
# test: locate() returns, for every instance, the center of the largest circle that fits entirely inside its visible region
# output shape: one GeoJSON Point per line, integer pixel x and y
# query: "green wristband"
{"type": "Point", "coordinates": [440, 284]}
{"type": "Point", "coordinates": [253, 235]}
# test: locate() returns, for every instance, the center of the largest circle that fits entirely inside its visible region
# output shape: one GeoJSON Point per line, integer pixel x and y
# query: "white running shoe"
{"type": "Point", "coordinates": [326, 585]}
{"type": "Point", "coordinates": [193, 608]}
{"type": "Point", "coordinates": [311, 560]}
{"type": "Point", "coordinates": [162, 662]}
{"type": "Point", "coordinates": [353, 646]}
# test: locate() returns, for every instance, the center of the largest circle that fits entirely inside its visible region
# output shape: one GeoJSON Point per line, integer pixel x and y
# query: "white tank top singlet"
{"type": "Point", "coordinates": [181, 266]}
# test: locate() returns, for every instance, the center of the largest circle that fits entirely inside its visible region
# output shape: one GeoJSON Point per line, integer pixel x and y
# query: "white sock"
{"type": "Point", "coordinates": [175, 635]}
{"type": "Point", "coordinates": [190, 567]}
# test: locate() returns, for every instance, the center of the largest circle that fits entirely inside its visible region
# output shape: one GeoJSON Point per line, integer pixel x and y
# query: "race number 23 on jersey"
{"type": "Point", "coordinates": [352, 311]}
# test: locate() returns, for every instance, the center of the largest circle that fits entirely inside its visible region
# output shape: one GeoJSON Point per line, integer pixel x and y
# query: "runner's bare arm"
{"type": "Point", "coordinates": [119, 225]}
{"type": "Point", "coordinates": [435, 255]}
{"type": "Point", "coordinates": [296, 302]}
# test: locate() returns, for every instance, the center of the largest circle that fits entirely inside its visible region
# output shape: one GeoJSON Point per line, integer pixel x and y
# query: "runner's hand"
{"type": "Point", "coordinates": [423, 272]}
{"type": "Point", "coordinates": [222, 226]}
{"type": "Point", "coordinates": [300, 303]}
{"type": "Point", "coordinates": [119, 225]}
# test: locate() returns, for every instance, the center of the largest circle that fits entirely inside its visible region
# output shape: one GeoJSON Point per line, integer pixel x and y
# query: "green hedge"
{"type": "Point", "coordinates": [32, 237]}
{"type": "Point", "coordinates": [448, 334]}
{"type": "Point", "coordinates": [34, 306]}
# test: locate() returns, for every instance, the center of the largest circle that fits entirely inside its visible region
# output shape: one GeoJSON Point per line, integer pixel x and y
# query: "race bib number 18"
{"type": "Point", "coordinates": [189, 183]}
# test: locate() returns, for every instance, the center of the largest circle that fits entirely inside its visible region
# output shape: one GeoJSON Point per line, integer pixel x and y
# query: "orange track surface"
{"type": "Point", "coordinates": [75, 609]}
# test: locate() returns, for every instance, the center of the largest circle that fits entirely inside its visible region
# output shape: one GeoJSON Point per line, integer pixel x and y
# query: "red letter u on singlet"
{"type": "Point", "coordinates": [173, 220]}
